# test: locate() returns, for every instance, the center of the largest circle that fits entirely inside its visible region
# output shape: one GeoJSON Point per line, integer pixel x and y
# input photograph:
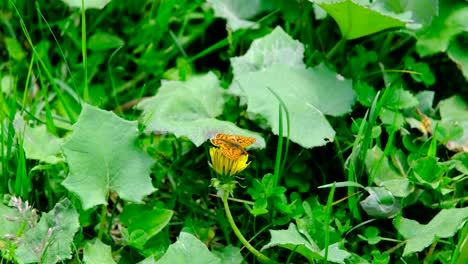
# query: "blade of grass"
{"type": "Point", "coordinates": [327, 220]}
{"type": "Point", "coordinates": [84, 51]}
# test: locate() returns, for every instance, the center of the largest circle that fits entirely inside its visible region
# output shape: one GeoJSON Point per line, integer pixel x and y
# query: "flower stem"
{"type": "Point", "coordinates": [262, 258]}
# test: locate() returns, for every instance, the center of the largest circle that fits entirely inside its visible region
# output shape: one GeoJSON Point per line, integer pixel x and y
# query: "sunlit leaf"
{"type": "Point", "coordinates": [273, 65]}
{"type": "Point", "coordinates": [188, 249]}
{"type": "Point", "coordinates": [189, 109]}
{"type": "Point", "coordinates": [98, 4]}
{"type": "Point", "coordinates": [357, 20]}
{"type": "Point", "coordinates": [418, 236]}
{"type": "Point", "coordinates": [96, 252]}
{"type": "Point", "coordinates": [51, 239]}
{"type": "Point", "coordinates": [103, 156]}
{"type": "Point", "coordinates": [454, 114]}
{"type": "Point", "coordinates": [38, 143]}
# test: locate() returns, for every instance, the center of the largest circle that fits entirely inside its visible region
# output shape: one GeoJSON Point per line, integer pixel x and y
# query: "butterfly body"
{"type": "Point", "coordinates": [232, 146]}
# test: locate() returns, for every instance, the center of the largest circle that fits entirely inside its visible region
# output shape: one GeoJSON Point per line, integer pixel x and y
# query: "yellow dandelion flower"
{"type": "Point", "coordinates": [225, 166]}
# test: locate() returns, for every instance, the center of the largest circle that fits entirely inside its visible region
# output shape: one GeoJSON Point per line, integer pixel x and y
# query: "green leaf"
{"type": "Point", "coordinates": [366, 93]}
{"type": "Point", "coordinates": [356, 20]}
{"type": "Point", "coordinates": [103, 156]}
{"type": "Point", "coordinates": [144, 221]}
{"type": "Point", "coordinates": [237, 12]}
{"type": "Point", "coordinates": [38, 144]}
{"type": "Point", "coordinates": [424, 72]}
{"type": "Point", "coordinates": [104, 41]}
{"type": "Point", "coordinates": [451, 21]}
{"type": "Point", "coordinates": [229, 255]}
{"type": "Point", "coordinates": [336, 254]}
{"type": "Point", "coordinates": [275, 62]}
{"type": "Point", "coordinates": [378, 168]}
{"type": "Point", "coordinates": [293, 240]}
{"type": "Point", "coordinates": [400, 99]}
{"type": "Point", "coordinates": [453, 113]}
{"type": "Point", "coordinates": [98, 4]}
{"type": "Point", "coordinates": [188, 249]}
{"type": "Point", "coordinates": [51, 239]}
{"type": "Point", "coordinates": [444, 225]}
{"type": "Point", "coordinates": [189, 109]}
{"type": "Point", "coordinates": [380, 203]}
{"type": "Point", "coordinates": [96, 252]}
{"type": "Point", "coordinates": [428, 171]}
{"type": "Point", "coordinates": [458, 53]}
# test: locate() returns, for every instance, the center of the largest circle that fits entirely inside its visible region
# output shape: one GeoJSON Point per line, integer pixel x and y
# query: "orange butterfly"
{"type": "Point", "coordinates": [232, 146]}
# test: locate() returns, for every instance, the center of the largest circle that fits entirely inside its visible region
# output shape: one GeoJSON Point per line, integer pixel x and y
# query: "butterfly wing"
{"type": "Point", "coordinates": [243, 141]}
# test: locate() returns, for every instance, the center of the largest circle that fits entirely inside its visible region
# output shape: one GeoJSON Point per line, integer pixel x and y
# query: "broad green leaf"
{"type": "Point", "coordinates": [188, 249]}
{"type": "Point", "coordinates": [378, 168]}
{"type": "Point", "coordinates": [453, 112]}
{"type": "Point", "coordinates": [275, 62]}
{"type": "Point", "coordinates": [189, 109]}
{"type": "Point", "coordinates": [336, 254]}
{"type": "Point", "coordinates": [380, 203]}
{"type": "Point", "coordinates": [144, 222]}
{"type": "Point", "coordinates": [293, 240]}
{"type": "Point", "coordinates": [237, 12]}
{"type": "Point", "coordinates": [357, 20]}
{"type": "Point", "coordinates": [400, 99]}
{"type": "Point", "coordinates": [98, 4]}
{"type": "Point", "coordinates": [451, 21]}
{"type": "Point", "coordinates": [96, 252]}
{"type": "Point", "coordinates": [229, 255]}
{"type": "Point", "coordinates": [103, 156]}
{"type": "Point", "coordinates": [444, 225]}
{"type": "Point", "coordinates": [38, 144]}
{"type": "Point", "coordinates": [50, 240]}
{"type": "Point", "coordinates": [428, 171]}
{"type": "Point", "coordinates": [12, 220]}
{"type": "Point", "coordinates": [458, 53]}
{"type": "Point", "coordinates": [104, 41]}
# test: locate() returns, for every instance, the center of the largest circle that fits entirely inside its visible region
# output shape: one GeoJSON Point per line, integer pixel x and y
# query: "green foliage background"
{"type": "Point", "coordinates": [359, 111]}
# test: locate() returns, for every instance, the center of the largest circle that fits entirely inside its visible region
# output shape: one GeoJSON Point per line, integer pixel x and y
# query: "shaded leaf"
{"type": "Point", "coordinates": [96, 252]}
{"type": "Point", "coordinates": [144, 222]}
{"type": "Point", "coordinates": [188, 249]}
{"type": "Point", "coordinates": [451, 21]}
{"type": "Point", "coordinates": [103, 156]}
{"type": "Point", "coordinates": [275, 62]}
{"type": "Point", "coordinates": [444, 225]}
{"type": "Point", "coordinates": [51, 239]}
{"type": "Point", "coordinates": [189, 109]}
{"type": "Point", "coordinates": [378, 168]}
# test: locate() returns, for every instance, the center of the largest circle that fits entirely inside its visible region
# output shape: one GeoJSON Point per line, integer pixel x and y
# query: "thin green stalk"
{"type": "Point", "coordinates": [327, 220]}
{"type": "Point", "coordinates": [84, 51]}
{"type": "Point", "coordinates": [262, 258]}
